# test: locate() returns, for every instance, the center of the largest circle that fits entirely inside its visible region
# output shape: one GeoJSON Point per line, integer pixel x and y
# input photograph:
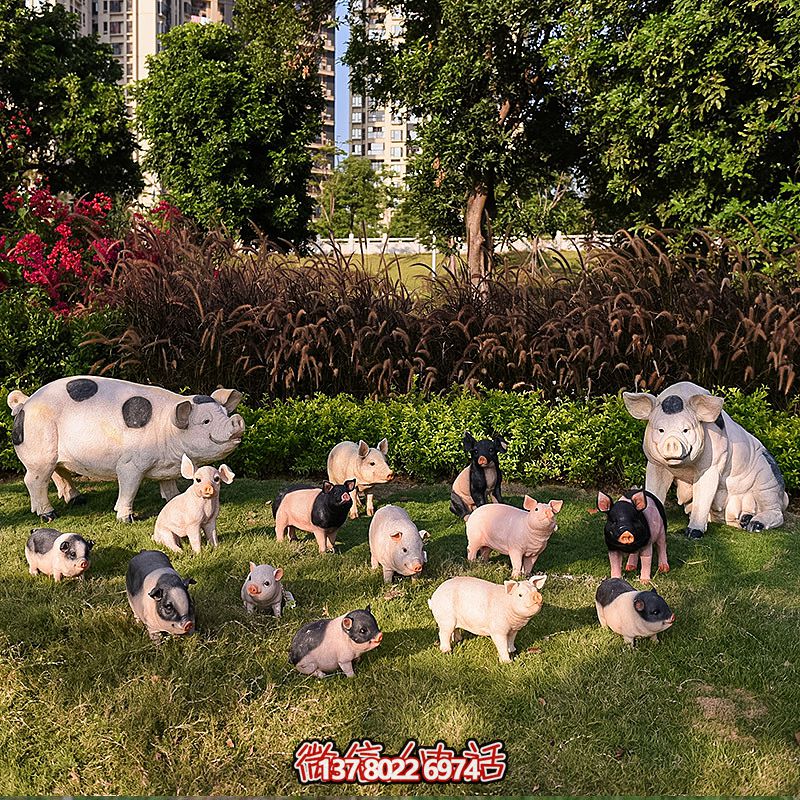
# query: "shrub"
{"type": "Point", "coordinates": [642, 313]}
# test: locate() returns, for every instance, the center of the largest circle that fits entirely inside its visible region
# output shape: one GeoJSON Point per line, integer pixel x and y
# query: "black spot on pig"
{"type": "Point", "coordinates": [136, 411]}
{"type": "Point", "coordinates": [169, 587]}
{"type": "Point", "coordinates": [18, 428]}
{"type": "Point", "coordinates": [141, 565]}
{"type": "Point", "coordinates": [624, 517]}
{"type": "Point", "coordinates": [776, 470]}
{"type": "Point", "coordinates": [651, 606]}
{"type": "Point", "coordinates": [200, 399]}
{"type": "Point", "coordinates": [308, 638]}
{"type": "Point", "coordinates": [41, 540]}
{"type": "Point", "coordinates": [720, 422]}
{"type": "Point", "coordinates": [457, 505]}
{"type": "Point", "coordinates": [364, 626]}
{"type": "Point", "coordinates": [672, 404]}
{"type": "Point", "coordinates": [81, 389]}
{"type": "Point", "coordinates": [610, 589]}
{"type": "Point", "coordinates": [332, 504]}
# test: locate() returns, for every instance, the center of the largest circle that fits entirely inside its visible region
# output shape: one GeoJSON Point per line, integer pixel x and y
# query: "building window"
{"type": "Point", "coordinates": [397, 152]}
{"type": "Point", "coordinates": [357, 149]}
{"type": "Point", "coordinates": [357, 133]}
{"type": "Point", "coordinates": [358, 101]}
{"type": "Point", "coordinates": [397, 30]}
{"type": "Point", "coordinates": [115, 6]}
{"type": "Point", "coordinates": [375, 116]}
{"type": "Point", "coordinates": [377, 166]}
{"type": "Point", "coordinates": [116, 48]}
{"type": "Point", "coordinates": [376, 147]}
{"type": "Point", "coordinates": [356, 116]}
{"type": "Point", "coordinates": [397, 136]}
{"type": "Point", "coordinates": [105, 27]}
{"type": "Point", "coordinates": [115, 28]}
{"type": "Point", "coordinates": [374, 133]}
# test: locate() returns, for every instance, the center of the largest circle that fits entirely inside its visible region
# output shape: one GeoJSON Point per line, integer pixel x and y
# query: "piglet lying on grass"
{"type": "Point", "coordinates": [60, 555]}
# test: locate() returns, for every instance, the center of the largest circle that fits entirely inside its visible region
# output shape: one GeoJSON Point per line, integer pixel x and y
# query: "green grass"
{"type": "Point", "coordinates": [90, 706]}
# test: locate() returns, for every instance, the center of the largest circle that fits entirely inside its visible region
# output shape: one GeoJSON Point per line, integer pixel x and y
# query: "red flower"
{"type": "Point", "coordinates": [12, 201]}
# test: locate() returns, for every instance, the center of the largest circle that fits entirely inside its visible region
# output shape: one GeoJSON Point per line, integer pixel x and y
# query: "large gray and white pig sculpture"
{"type": "Point", "coordinates": [721, 471]}
{"type": "Point", "coordinates": [103, 428]}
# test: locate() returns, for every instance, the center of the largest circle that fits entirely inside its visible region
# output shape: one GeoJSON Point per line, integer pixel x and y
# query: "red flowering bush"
{"type": "Point", "coordinates": [64, 248]}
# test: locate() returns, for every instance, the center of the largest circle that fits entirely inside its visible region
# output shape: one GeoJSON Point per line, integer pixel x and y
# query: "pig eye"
{"type": "Point", "coordinates": [216, 479]}
{"type": "Point", "coordinates": [661, 430]}
{"type": "Point", "coordinates": [686, 430]}
{"type": "Point", "coordinates": [266, 583]}
{"type": "Point", "coordinates": [168, 607]}
{"type": "Point", "coordinates": [405, 549]}
{"type": "Point", "coordinates": [206, 421]}
{"type": "Point", "coordinates": [197, 480]}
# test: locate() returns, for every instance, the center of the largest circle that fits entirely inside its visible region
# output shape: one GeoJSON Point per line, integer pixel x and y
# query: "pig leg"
{"type": "Point", "coordinates": [250, 608]}
{"type": "Point", "coordinates": [633, 560]}
{"type": "Point", "coordinates": [195, 538]}
{"type": "Point", "coordinates": [703, 493]}
{"type": "Point", "coordinates": [354, 510]}
{"type": "Point", "coordinates": [62, 478]}
{"type": "Point", "coordinates": [331, 537]}
{"type": "Point", "coordinates": [210, 531]}
{"type": "Point", "coordinates": [57, 575]}
{"type": "Point", "coordinates": [516, 564]}
{"type": "Point", "coordinates": [472, 551]}
{"type": "Point", "coordinates": [661, 544]}
{"type": "Point", "coordinates": [169, 489]}
{"type": "Point", "coordinates": [276, 609]}
{"type": "Point", "coordinates": [129, 477]}
{"type": "Point", "coordinates": [527, 564]}
{"type": "Point", "coordinates": [347, 668]}
{"type": "Point", "coordinates": [373, 562]}
{"type": "Point", "coordinates": [322, 540]}
{"type": "Point", "coordinates": [647, 563]}
{"type": "Point", "coordinates": [370, 505]}
{"type": "Point", "coordinates": [168, 539]}
{"type": "Point", "coordinates": [615, 558]}
{"type": "Point", "coordinates": [485, 553]}
{"type": "Point", "coordinates": [446, 629]}
{"type": "Point", "coordinates": [388, 574]}
{"type": "Point", "coordinates": [282, 527]}
{"type": "Point", "coordinates": [512, 648]}
{"type": "Point", "coordinates": [36, 483]}
{"type": "Point", "coordinates": [501, 643]}
{"type": "Point", "coordinates": [658, 480]}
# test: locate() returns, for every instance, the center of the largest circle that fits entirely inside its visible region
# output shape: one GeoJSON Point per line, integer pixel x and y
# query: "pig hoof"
{"type": "Point", "coordinates": [694, 533]}
{"type": "Point", "coordinates": [48, 516]}
{"type": "Point", "coordinates": [754, 526]}
{"type": "Point", "coordinates": [78, 500]}
{"type": "Point", "coordinates": [744, 520]}
{"type": "Point", "coordinates": [127, 519]}
{"type": "Point", "coordinates": [663, 568]}
{"type": "Point", "coordinates": [630, 568]}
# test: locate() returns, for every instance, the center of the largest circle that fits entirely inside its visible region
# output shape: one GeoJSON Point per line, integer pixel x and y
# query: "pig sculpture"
{"type": "Point", "coordinates": [721, 471]}
{"type": "Point", "coordinates": [396, 544]}
{"type": "Point", "coordinates": [634, 525]}
{"type": "Point", "coordinates": [485, 609]}
{"type": "Point", "coordinates": [521, 534]}
{"type": "Point", "coordinates": [158, 596]}
{"type": "Point", "coordinates": [318, 511]}
{"type": "Point", "coordinates": [629, 613]}
{"type": "Point", "coordinates": [322, 647]}
{"type": "Point", "coordinates": [479, 482]}
{"type": "Point", "coordinates": [195, 512]}
{"type": "Point", "coordinates": [60, 555]}
{"type": "Point", "coordinates": [367, 464]}
{"type": "Point", "coordinates": [262, 589]}
{"type": "Point", "coordinates": [105, 428]}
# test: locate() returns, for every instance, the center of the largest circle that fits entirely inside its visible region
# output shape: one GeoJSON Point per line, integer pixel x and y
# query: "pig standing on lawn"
{"type": "Point", "coordinates": [486, 609]}
{"type": "Point", "coordinates": [322, 647]}
{"type": "Point", "coordinates": [318, 511]}
{"type": "Point", "coordinates": [60, 555]}
{"type": "Point", "coordinates": [479, 482]}
{"type": "Point", "coordinates": [262, 588]}
{"type": "Point", "coordinates": [367, 464]}
{"type": "Point", "coordinates": [721, 471]}
{"type": "Point", "coordinates": [521, 534]}
{"type": "Point", "coordinates": [195, 512]}
{"type": "Point", "coordinates": [629, 613]}
{"type": "Point", "coordinates": [396, 544]}
{"type": "Point", "coordinates": [105, 428]}
{"type": "Point", "coordinates": [634, 524]}
{"type": "Point", "coordinates": [158, 596]}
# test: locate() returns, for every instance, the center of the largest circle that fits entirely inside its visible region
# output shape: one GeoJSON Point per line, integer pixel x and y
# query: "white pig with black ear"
{"type": "Point", "coordinates": [60, 555]}
{"type": "Point", "coordinates": [262, 588]}
{"type": "Point", "coordinates": [195, 512]}
{"type": "Point", "coordinates": [396, 544]}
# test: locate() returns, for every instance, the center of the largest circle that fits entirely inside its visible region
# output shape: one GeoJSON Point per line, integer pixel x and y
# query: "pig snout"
{"type": "Point", "coordinates": [237, 426]}
{"type": "Point", "coordinates": [673, 449]}
{"type": "Point", "coordinates": [83, 564]}
{"type": "Point", "coordinates": [482, 461]}
{"type": "Point", "coordinates": [626, 537]}
{"type": "Point", "coordinates": [379, 638]}
{"type": "Point", "coordinates": [187, 626]}
{"type": "Point", "coordinates": [416, 567]}
{"type": "Point", "coordinates": [390, 476]}
{"type": "Point", "coordinates": [253, 589]}
{"type": "Point", "coordinates": [346, 497]}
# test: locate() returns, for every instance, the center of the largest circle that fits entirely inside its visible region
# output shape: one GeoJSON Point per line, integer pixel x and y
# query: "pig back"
{"type": "Point", "coordinates": [499, 526]}
{"type": "Point", "coordinates": [386, 521]}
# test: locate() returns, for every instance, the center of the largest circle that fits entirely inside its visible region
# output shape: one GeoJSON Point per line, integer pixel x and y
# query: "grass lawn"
{"type": "Point", "coordinates": [90, 706]}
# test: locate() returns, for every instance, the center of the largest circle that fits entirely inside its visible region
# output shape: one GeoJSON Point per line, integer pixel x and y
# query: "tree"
{"type": "Point", "coordinates": [62, 113]}
{"type": "Point", "coordinates": [475, 74]}
{"type": "Point", "coordinates": [228, 122]}
{"type": "Point", "coordinates": [353, 199]}
{"type": "Point", "coordinates": [688, 110]}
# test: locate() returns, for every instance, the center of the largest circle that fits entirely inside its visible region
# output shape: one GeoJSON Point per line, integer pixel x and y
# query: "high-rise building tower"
{"type": "Point", "coordinates": [378, 132]}
{"type": "Point", "coordinates": [327, 76]}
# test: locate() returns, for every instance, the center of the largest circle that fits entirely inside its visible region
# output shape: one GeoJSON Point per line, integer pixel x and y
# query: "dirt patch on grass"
{"type": "Point", "coordinates": [725, 711]}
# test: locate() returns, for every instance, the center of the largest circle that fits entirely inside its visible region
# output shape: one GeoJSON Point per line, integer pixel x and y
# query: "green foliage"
{"type": "Point", "coordinates": [353, 200]}
{"type": "Point", "coordinates": [228, 127]}
{"type": "Point", "coordinates": [688, 109]}
{"type": "Point", "coordinates": [62, 112]}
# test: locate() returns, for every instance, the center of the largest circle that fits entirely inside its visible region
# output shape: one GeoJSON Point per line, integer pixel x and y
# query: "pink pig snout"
{"type": "Point", "coordinates": [187, 626]}
{"type": "Point", "coordinates": [417, 567]}
{"type": "Point", "coordinates": [379, 638]}
{"type": "Point", "coordinates": [83, 564]}
{"type": "Point", "coordinates": [253, 589]}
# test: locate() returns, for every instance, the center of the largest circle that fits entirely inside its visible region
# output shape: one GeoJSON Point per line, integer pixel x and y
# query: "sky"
{"type": "Point", "coordinates": [342, 74]}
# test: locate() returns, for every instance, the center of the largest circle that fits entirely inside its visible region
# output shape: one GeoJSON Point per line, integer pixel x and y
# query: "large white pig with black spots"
{"type": "Point", "coordinates": [721, 471]}
{"type": "Point", "coordinates": [105, 429]}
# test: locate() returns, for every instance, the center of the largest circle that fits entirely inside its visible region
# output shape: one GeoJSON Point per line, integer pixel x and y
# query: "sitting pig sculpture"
{"type": "Point", "coordinates": [480, 481]}
{"type": "Point", "coordinates": [521, 534]}
{"type": "Point", "coordinates": [367, 464]}
{"type": "Point", "coordinates": [396, 544]}
{"type": "Point", "coordinates": [105, 428]}
{"type": "Point", "coordinates": [499, 611]}
{"type": "Point", "coordinates": [262, 589]}
{"type": "Point", "coordinates": [195, 512]}
{"type": "Point", "coordinates": [721, 471]}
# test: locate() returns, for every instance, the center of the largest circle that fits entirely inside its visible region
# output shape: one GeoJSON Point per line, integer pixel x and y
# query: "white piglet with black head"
{"type": "Point", "coordinates": [60, 555]}
{"type": "Point", "coordinates": [195, 512]}
{"type": "Point", "coordinates": [632, 614]}
{"type": "Point", "coordinates": [262, 589]}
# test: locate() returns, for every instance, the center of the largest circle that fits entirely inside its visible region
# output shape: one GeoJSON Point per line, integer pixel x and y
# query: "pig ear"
{"type": "Point", "coordinates": [424, 535]}
{"type": "Point", "coordinates": [187, 582]}
{"type": "Point", "coordinates": [89, 544]}
{"type": "Point", "coordinates": [604, 502]}
{"type": "Point", "coordinates": [326, 487]}
{"type": "Point", "coordinates": [368, 609]}
{"type": "Point", "coordinates": [156, 593]}
{"type": "Point", "coordinates": [397, 535]}
{"type": "Point", "coordinates": [556, 505]}
{"type": "Point", "coordinates": [639, 404]}
{"type": "Point", "coordinates": [639, 501]}
{"type": "Point", "coordinates": [278, 574]}
{"type": "Point", "coordinates": [468, 442]}
{"type": "Point", "coordinates": [252, 566]}
{"type": "Point", "coordinates": [350, 485]}
{"type": "Point", "coordinates": [500, 443]}
{"type": "Point", "coordinates": [383, 446]}
{"type": "Point", "coordinates": [347, 623]}
{"type": "Point", "coordinates": [529, 503]}
{"type": "Point", "coordinates": [363, 449]}
{"type": "Point", "coordinates": [229, 398]}
{"type": "Point", "coordinates": [538, 581]}
{"type": "Point", "coordinates": [510, 586]}
{"type": "Point", "coordinates": [182, 413]}
{"type": "Point", "coordinates": [638, 605]}
{"type": "Point", "coordinates": [706, 406]}
{"type": "Point", "coordinates": [226, 473]}
{"type": "Point", "coordinates": [64, 546]}
{"type": "Point", "coordinates": [187, 468]}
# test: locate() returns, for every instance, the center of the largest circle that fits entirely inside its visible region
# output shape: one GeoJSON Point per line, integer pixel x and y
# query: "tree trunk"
{"type": "Point", "coordinates": [479, 240]}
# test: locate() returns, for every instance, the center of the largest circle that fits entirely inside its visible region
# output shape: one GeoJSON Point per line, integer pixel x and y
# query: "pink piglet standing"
{"type": "Point", "coordinates": [521, 534]}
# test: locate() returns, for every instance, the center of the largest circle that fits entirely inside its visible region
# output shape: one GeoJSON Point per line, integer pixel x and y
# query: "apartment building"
{"type": "Point", "coordinates": [379, 132]}
{"type": "Point", "coordinates": [327, 76]}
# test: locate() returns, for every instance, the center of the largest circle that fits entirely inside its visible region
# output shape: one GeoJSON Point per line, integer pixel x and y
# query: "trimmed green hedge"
{"type": "Point", "coordinates": [591, 442]}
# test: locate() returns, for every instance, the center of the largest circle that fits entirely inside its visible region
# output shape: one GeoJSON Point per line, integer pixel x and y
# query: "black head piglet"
{"type": "Point", "coordinates": [480, 482]}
